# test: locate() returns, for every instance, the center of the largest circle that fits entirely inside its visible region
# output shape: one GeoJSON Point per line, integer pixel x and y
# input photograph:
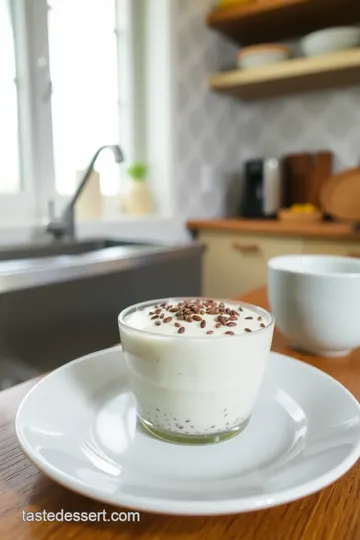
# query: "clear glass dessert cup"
{"type": "Point", "coordinates": [195, 389]}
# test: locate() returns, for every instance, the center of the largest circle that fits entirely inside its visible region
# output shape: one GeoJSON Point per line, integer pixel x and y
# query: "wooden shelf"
{"type": "Point", "coordinates": [334, 70]}
{"type": "Point", "coordinates": [274, 20]}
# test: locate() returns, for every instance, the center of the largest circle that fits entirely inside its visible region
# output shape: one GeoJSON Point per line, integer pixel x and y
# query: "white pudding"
{"type": "Point", "coordinates": [195, 365]}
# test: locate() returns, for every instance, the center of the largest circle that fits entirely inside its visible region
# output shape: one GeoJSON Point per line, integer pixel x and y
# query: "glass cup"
{"type": "Point", "coordinates": [195, 389]}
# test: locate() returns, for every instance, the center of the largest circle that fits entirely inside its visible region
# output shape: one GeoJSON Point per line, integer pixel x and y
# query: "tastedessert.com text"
{"type": "Point", "coordinates": [62, 515]}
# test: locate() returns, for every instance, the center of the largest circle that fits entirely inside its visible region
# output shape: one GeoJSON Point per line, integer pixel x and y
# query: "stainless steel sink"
{"type": "Point", "coordinates": [38, 265]}
{"type": "Point", "coordinates": [60, 301]}
{"type": "Point", "coordinates": [55, 249]}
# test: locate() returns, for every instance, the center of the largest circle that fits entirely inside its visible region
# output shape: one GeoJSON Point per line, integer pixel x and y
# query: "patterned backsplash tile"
{"type": "Point", "coordinates": [221, 132]}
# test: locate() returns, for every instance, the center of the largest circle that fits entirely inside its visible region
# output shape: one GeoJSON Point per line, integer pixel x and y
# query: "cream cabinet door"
{"type": "Point", "coordinates": [236, 263]}
{"type": "Point", "coordinates": [332, 247]}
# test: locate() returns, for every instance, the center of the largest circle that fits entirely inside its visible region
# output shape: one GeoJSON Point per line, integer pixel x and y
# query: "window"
{"type": "Point", "coordinates": [84, 101]}
{"type": "Point", "coordinates": [76, 75]}
{"type": "Point", "coordinates": [65, 78]}
{"type": "Point", "coordinates": [9, 136]}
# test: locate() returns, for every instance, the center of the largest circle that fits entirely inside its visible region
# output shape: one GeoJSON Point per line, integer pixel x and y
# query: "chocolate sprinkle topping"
{"type": "Point", "coordinates": [195, 310]}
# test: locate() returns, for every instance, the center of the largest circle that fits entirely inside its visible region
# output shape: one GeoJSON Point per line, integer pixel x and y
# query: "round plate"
{"type": "Point", "coordinates": [78, 425]}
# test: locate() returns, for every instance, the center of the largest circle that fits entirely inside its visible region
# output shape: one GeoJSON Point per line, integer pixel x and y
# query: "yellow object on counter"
{"type": "Point", "coordinates": [228, 3]}
{"type": "Point", "coordinates": [300, 213]}
{"type": "Point", "coordinates": [303, 209]}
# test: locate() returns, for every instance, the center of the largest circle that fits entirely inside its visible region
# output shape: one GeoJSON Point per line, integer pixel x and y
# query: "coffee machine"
{"type": "Point", "coordinates": [264, 188]}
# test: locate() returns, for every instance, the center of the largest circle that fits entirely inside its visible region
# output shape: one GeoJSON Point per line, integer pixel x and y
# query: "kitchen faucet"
{"type": "Point", "coordinates": [64, 228]}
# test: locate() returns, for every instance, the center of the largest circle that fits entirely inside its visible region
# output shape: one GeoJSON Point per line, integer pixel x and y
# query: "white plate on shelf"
{"type": "Point", "coordinates": [78, 426]}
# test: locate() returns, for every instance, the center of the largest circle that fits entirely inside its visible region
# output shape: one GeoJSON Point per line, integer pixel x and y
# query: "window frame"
{"type": "Point", "coordinates": [38, 191]}
{"type": "Point", "coordinates": [161, 100]}
{"type": "Point", "coordinates": [152, 112]}
{"type": "Point", "coordinates": [24, 202]}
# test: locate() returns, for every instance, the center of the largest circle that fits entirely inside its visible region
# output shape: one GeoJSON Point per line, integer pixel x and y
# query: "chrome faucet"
{"type": "Point", "coordinates": [64, 228]}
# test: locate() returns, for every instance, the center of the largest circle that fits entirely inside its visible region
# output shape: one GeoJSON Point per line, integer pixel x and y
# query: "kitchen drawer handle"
{"type": "Point", "coordinates": [247, 248]}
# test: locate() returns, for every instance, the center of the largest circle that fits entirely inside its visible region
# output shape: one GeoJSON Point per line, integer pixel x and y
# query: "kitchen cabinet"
{"type": "Point", "coordinates": [236, 261]}
{"type": "Point", "coordinates": [344, 249]}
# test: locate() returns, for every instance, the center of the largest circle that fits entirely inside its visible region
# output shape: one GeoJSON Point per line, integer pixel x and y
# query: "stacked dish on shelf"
{"type": "Point", "coordinates": [330, 40]}
{"type": "Point", "coordinates": [262, 55]}
{"type": "Point", "coordinates": [317, 43]}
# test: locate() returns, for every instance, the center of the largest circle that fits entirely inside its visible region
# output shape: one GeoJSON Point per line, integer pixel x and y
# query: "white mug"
{"type": "Point", "coordinates": [316, 302]}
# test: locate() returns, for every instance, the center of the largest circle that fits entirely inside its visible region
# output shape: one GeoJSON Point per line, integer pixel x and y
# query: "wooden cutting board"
{"type": "Point", "coordinates": [306, 174]}
{"type": "Point", "coordinates": [340, 196]}
{"type": "Point", "coordinates": [298, 169]}
{"type": "Point", "coordinates": [322, 171]}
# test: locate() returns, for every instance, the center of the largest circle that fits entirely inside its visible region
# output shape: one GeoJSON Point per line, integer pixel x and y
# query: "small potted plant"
{"type": "Point", "coordinates": [137, 200]}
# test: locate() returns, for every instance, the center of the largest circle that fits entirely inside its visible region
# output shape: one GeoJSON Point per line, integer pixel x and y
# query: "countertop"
{"type": "Point", "coordinates": [30, 272]}
{"type": "Point", "coordinates": [324, 230]}
{"type": "Point", "coordinates": [331, 514]}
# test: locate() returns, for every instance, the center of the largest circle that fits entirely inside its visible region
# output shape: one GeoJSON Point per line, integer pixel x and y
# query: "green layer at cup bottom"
{"type": "Point", "coordinates": [178, 438]}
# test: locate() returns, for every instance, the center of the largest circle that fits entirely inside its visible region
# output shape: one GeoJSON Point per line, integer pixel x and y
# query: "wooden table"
{"type": "Point", "coordinates": [332, 514]}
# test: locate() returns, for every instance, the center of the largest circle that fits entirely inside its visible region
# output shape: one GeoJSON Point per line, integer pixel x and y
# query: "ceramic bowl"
{"type": "Point", "coordinates": [262, 55]}
{"type": "Point", "coordinates": [316, 302]}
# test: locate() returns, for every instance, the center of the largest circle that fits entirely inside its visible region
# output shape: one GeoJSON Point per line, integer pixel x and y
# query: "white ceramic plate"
{"type": "Point", "coordinates": [78, 425]}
